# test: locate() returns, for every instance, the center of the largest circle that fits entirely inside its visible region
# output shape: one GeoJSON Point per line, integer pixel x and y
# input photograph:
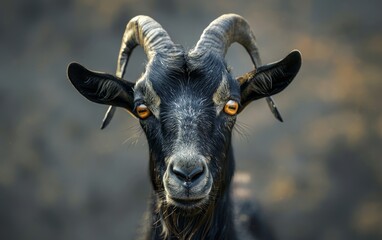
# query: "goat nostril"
{"type": "Point", "coordinates": [196, 173]}
{"type": "Point", "coordinates": [179, 173]}
{"type": "Point", "coordinates": [188, 176]}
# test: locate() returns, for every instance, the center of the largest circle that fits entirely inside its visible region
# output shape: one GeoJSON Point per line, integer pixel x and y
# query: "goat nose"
{"type": "Point", "coordinates": [188, 175]}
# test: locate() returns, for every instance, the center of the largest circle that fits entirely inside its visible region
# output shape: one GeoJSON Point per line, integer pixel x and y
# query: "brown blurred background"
{"type": "Point", "coordinates": [318, 175]}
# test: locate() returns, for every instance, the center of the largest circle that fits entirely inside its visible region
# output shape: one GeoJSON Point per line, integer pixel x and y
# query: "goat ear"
{"type": "Point", "coordinates": [102, 87]}
{"type": "Point", "coordinates": [269, 79]}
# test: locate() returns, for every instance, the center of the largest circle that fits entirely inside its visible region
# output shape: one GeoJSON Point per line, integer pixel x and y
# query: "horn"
{"type": "Point", "coordinates": [143, 31]}
{"type": "Point", "coordinates": [228, 29]}
{"type": "Point", "coordinates": [224, 31]}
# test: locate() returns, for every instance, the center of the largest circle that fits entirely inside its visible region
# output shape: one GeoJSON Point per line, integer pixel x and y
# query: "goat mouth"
{"type": "Point", "coordinates": [186, 203]}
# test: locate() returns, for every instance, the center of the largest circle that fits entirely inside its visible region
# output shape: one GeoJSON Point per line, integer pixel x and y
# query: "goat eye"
{"type": "Point", "coordinates": [143, 111]}
{"type": "Point", "coordinates": [231, 107]}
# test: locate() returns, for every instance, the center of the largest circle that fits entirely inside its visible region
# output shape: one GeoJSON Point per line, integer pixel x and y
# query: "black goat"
{"type": "Point", "coordinates": [187, 103]}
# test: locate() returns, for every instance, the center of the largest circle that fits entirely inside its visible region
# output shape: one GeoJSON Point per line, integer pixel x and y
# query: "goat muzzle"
{"type": "Point", "coordinates": [187, 180]}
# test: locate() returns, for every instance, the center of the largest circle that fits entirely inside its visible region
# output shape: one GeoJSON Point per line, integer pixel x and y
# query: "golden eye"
{"type": "Point", "coordinates": [231, 107]}
{"type": "Point", "coordinates": [143, 111]}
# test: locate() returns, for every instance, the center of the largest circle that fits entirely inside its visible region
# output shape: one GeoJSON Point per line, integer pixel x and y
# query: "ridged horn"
{"type": "Point", "coordinates": [228, 29]}
{"type": "Point", "coordinates": [149, 34]}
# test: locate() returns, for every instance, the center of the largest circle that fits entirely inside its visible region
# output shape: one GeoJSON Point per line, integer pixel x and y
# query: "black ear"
{"type": "Point", "coordinates": [269, 79]}
{"type": "Point", "coordinates": [101, 87]}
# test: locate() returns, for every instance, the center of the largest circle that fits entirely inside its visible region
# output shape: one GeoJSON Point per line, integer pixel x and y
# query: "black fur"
{"type": "Point", "coordinates": [186, 83]}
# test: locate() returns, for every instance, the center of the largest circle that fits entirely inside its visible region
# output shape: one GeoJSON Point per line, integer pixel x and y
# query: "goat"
{"type": "Point", "coordinates": [187, 104]}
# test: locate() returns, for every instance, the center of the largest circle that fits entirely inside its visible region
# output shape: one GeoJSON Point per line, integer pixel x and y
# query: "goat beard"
{"type": "Point", "coordinates": [185, 223]}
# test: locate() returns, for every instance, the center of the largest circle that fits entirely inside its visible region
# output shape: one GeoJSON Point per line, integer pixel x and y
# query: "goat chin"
{"type": "Point", "coordinates": [184, 198]}
{"type": "Point", "coordinates": [188, 204]}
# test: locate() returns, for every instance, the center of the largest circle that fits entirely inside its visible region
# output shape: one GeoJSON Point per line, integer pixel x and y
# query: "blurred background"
{"type": "Point", "coordinates": [318, 175]}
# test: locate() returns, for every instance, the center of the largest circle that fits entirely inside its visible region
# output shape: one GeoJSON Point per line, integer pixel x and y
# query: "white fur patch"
{"type": "Point", "coordinates": [222, 95]}
{"type": "Point", "coordinates": [152, 99]}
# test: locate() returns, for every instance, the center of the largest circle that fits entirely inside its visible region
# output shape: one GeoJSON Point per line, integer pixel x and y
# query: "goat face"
{"type": "Point", "coordinates": [188, 130]}
{"type": "Point", "coordinates": [187, 104]}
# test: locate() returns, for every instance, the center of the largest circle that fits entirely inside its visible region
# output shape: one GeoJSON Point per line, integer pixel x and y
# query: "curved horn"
{"type": "Point", "coordinates": [149, 34]}
{"type": "Point", "coordinates": [224, 31]}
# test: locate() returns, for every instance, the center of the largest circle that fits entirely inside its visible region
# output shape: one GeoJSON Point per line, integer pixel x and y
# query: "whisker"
{"type": "Point", "coordinates": [134, 138]}
{"type": "Point", "coordinates": [242, 130]}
